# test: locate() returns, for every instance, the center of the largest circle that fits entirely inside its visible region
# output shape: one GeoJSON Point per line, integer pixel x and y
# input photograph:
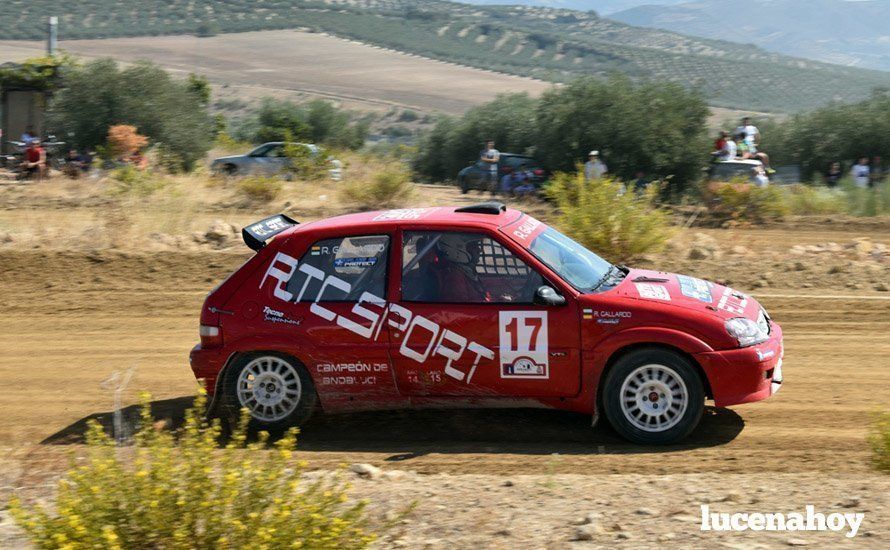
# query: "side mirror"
{"type": "Point", "coordinates": [546, 296]}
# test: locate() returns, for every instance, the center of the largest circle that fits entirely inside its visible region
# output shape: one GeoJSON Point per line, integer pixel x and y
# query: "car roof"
{"type": "Point", "coordinates": [517, 155]}
{"type": "Point", "coordinates": [741, 162]}
{"type": "Point", "coordinates": [406, 218]}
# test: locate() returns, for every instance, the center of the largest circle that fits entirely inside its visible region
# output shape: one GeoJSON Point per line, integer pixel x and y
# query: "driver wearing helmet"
{"type": "Point", "coordinates": [458, 281]}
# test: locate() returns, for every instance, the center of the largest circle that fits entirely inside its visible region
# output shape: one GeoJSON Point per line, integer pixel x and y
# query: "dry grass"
{"type": "Point", "coordinates": [89, 213]}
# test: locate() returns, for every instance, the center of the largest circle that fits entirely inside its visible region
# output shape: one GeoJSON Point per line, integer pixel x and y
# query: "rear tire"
{"type": "Point", "coordinates": [275, 388]}
{"type": "Point", "coordinates": [653, 397]}
{"type": "Point", "coordinates": [464, 188]}
{"type": "Point", "coordinates": [230, 170]}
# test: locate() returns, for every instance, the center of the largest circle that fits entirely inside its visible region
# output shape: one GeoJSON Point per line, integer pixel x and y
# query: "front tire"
{"type": "Point", "coordinates": [653, 397]}
{"type": "Point", "coordinates": [464, 188]}
{"type": "Point", "coordinates": [275, 388]}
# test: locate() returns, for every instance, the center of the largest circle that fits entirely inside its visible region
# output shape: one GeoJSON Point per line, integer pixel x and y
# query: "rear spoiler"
{"type": "Point", "coordinates": [256, 234]}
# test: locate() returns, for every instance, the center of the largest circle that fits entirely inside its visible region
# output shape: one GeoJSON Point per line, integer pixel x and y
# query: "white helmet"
{"type": "Point", "coordinates": [453, 247]}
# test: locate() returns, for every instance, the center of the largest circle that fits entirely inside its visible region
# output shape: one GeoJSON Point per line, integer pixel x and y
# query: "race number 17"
{"type": "Point", "coordinates": [523, 344]}
{"type": "Point", "coordinates": [513, 329]}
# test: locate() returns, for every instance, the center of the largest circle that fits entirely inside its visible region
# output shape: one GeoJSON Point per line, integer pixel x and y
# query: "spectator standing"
{"type": "Point", "coordinates": [29, 135]}
{"type": "Point", "coordinates": [861, 173]}
{"type": "Point", "coordinates": [594, 168]}
{"type": "Point", "coordinates": [35, 160]}
{"type": "Point", "coordinates": [640, 182]}
{"type": "Point", "coordinates": [491, 156]}
{"type": "Point", "coordinates": [834, 174]}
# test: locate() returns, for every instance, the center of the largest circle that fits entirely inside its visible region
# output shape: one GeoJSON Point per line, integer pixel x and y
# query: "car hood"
{"type": "Point", "coordinates": [683, 291]}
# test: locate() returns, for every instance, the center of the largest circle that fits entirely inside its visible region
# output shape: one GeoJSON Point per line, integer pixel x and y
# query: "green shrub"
{"type": "Point", "coordinates": [867, 201]}
{"type": "Point", "coordinates": [879, 438]}
{"type": "Point", "coordinates": [595, 213]}
{"type": "Point", "coordinates": [260, 188]}
{"type": "Point", "coordinates": [739, 200]}
{"type": "Point", "coordinates": [381, 185]}
{"type": "Point", "coordinates": [128, 180]}
{"type": "Point", "coordinates": [304, 163]}
{"type": "Point", "coordinates": [317, 122]}
{"type": "Point", "coordinates": [186, 492]}
{"type": "Point", "coordinates": [808, 199]}
{"type": "Point", "coordinates": [101, 94]}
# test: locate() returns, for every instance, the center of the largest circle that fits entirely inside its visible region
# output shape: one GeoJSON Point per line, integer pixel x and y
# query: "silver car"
{"type": "Point", "coordinates": [268, 159]}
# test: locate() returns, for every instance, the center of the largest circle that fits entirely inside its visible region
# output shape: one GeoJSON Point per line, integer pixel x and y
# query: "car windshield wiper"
{"type": "Point", "coordinates": [603, 279]}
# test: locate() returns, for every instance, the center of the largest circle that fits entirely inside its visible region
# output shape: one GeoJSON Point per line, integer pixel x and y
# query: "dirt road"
{"type": "Point", "coordinates": [72, 319]}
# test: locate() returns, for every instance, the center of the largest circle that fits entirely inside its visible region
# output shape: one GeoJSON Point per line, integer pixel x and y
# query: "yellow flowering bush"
{"type": "Point", "coordinates": [879, 438]}
{"type": "Point", "coordinates": [184, 491]}
{"type": "Point", "coordinates": [599, 214]}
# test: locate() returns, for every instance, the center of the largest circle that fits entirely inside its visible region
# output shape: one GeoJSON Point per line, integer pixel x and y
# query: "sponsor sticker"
{"type": "Point", "coordinates": [404, 214]}
{"type": "Point", "coordinates": [695, 288]}
{"type": "Point", "coordinates": [653, 292]}
{"type": "Point", "coordinates": [367, 261]}
{"type": "Point", "coordinates": [275, 316]}
{"type": "Point", "coordinates": [733, 301]}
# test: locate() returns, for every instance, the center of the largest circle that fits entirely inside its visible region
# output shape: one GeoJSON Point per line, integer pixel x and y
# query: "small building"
{"type": "Point", "coordinates": [23, 104]}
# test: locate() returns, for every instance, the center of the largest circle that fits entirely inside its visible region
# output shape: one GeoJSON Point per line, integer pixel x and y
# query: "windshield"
{"type": "Point", "coordinates": [580, 267]}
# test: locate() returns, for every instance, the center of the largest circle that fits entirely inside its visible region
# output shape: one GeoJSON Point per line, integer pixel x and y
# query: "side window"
{"type": "Point", "coordinates": [342, 269]}
{"type": "Point", "coordinates": [468, 268]}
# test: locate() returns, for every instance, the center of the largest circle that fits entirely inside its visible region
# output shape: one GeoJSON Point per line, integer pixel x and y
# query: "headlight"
{"type": "Point", "coordinates": [746, 331]}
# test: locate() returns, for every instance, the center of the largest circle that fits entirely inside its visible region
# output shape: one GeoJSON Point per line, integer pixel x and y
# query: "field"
{"type": "Point", "coordinates": [95, 284]}
{"type": "Point", "coordinates": [551, 44]}
{"type": "Point", "coordinates": [247, 66]}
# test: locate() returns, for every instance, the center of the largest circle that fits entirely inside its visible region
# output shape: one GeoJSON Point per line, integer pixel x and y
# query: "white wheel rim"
{"type": "Point", "coordinates": [269, 387]}
{"type": "Point", "coordinates": [654, 398]}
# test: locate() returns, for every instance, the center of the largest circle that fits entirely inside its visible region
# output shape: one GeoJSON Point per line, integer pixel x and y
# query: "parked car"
{"type": "Point", "coordinates": [479, 306]}
{"type": "Point", "coordinates": [727, 170]}
{"type": "Point", "coordinates": [478, 174]}
{"type": "Point", "coordinates": [268, 159]}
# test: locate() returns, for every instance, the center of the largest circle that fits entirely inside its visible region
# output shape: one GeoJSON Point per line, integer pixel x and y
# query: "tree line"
{"type": "Point", "coordinates": [836, 133]}
{"type": "Point", "coordinates": [175, 113]}
{"type": "Point", "coordinates": [657, 128]}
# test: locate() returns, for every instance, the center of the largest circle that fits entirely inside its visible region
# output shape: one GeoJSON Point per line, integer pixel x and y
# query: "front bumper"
{"type": "Point", "coordinates": [745, 375]}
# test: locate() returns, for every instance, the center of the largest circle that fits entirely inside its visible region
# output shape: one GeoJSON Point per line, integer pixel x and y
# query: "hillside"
{"type": "Point", "coordinates": [836, 31]}
{"type": "Point", "coordinates": [602, 7]}
{"type": "Point", "coordinates": [284, 64]}
{"type": "Point", "coordinates": [551, 44]}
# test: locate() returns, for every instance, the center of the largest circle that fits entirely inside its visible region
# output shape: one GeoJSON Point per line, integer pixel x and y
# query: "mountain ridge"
{"type": "Point", "coordinates": [849, 33]}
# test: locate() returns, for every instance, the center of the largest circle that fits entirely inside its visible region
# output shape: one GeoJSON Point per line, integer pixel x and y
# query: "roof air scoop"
{"type": "Point", "coordinates": [489, 207]}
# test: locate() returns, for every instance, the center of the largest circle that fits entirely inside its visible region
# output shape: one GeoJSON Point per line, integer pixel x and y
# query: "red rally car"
{"type": "Point", "coordinates": [480, 306]}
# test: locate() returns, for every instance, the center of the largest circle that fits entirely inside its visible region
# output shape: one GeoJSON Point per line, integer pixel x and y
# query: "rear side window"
{"type": "Point", "coordinates": [346, 267]}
